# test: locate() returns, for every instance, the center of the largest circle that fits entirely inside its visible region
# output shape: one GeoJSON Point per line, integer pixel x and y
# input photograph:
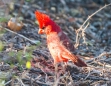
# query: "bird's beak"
{"type": "Point", "coordinates": [41, 31]}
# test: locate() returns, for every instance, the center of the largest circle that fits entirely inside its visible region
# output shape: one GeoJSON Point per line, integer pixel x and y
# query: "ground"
{"type": "Point", "coordinates": [92, 43]}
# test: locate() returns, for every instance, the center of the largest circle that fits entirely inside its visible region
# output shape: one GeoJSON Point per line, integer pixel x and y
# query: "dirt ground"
{"type": "Point", "coordinates": [86, 22]}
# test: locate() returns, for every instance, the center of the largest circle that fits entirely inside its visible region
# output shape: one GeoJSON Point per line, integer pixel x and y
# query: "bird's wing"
{"type": "Point", "coordinates": [77, 61]}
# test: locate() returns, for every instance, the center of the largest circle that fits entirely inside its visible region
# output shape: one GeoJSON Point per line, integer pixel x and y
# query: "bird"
{"type": "Point", "coordinates": [58, 42]}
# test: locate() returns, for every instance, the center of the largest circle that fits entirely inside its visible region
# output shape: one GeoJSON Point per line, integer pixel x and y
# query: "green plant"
{"type": "Point", "coordinates": [1, 46]}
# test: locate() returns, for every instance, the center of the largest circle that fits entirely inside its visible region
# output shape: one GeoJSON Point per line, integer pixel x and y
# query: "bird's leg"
{"type": "Point", "coordinates": [56, 69]}
{"type": "Point", "coordinates": [62, 69]}
{"type": "Point", "coordinates": [64, 66]}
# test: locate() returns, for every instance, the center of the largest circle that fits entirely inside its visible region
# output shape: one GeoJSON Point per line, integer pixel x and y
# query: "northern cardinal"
{"type": "Point", "coordinates": [58, 43]}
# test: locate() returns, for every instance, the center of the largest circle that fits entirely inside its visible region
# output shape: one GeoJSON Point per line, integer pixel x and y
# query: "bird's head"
{"type": "Point", "coordinates": [46, 25]}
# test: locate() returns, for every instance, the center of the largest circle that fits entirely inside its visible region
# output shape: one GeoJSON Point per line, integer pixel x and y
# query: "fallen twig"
{"type": "Point", "coordinates": [81, 30]}
{"type": "Point", "coordinates": [34, 42]}
{"type": "Point", "coordinates": [102, 54]}
{"type": "Point", "coordinates": [91, 77]}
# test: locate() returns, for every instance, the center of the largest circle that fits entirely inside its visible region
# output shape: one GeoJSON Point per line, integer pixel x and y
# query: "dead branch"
{"type": "Point", "coordinates": [81, 30]}
{"type": "Point", "coordinates": [34, 42]}
{"type": "Point", "coordinates": [102, 54]}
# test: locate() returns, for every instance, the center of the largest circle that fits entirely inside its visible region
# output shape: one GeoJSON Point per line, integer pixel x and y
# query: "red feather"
{"type": "Point", "coordinates": [58, 43]}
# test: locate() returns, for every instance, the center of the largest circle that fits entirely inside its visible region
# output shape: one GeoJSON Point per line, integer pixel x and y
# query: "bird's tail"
{"type": "Point", "coordinates": [77, 61]}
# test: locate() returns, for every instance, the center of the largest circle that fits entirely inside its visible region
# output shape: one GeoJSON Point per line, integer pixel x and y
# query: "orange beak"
{"type": "Point", "coordinates": [41, 31]}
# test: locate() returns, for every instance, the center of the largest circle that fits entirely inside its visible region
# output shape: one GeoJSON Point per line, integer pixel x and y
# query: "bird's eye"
{"type": "Point", "coordinates": [43, 28]}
